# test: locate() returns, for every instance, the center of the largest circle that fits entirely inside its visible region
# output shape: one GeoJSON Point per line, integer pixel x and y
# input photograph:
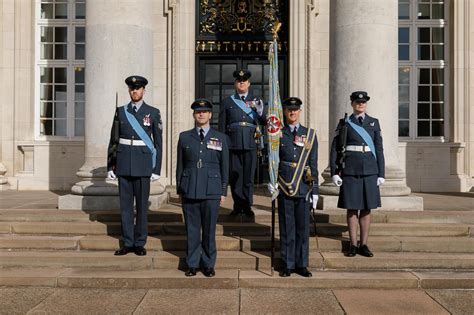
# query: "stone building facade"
{"type": "Point", "coordinates": [63, 63]}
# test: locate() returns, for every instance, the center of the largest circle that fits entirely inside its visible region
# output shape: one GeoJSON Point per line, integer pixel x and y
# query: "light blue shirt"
{"type": "Point", "coordinates": [137, 104]}
{"type": "Point", "coordinates": [206, 130]}
{"type": "Point", "coordinates": [292, 127]}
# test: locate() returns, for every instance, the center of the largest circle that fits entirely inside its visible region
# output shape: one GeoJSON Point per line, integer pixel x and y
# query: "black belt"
{"type": "Point", "coordinates": [201, 164]}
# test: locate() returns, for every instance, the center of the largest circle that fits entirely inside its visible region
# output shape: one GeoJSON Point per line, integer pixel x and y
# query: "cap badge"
{"type": "Point", "coordinates": [134, 79]}
{"type": "Point", "coordinates": [361, 96]}
{"type": "Point", "coordinates": [202, 103]}
{"type": "Point", "coordinates": [241, 73]}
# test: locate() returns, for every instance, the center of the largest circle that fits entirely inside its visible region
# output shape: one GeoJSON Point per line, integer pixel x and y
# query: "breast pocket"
{"type": "Point", "coordinates": [214, 183]}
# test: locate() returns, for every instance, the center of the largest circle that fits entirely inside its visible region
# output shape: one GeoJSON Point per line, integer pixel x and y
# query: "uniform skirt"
{"type": "Point", "coordinates": [359, 192]}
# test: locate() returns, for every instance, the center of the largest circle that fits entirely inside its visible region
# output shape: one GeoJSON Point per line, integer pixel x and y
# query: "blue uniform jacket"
{"type": "Point", "coordinates": [290, 152]}
{"type": "Point", "coordinates": [240, 137]}
{"type": "Point", "coordinates": [361, 163]}
{"type": "Point", "coordinates": [136, 160]}
{"type": "Point", "coordinates": [206, 179]}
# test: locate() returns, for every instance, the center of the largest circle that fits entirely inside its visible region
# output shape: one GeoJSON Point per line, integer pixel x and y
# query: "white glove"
{"type": "Point", "coordinates": [272, 189]}
{"type": "Point", "coordinates": [314, 200]}
{"type": "Point", "coordinates": [154, 177]}
{"type": "Point", "coordinates": [259, 107]}
{"type": "Point", "coordinates": [111, 175]}
{"type": "Point", "coordinates": [337, 180]}
{"type": "Point", "coordinates": [380, 181]}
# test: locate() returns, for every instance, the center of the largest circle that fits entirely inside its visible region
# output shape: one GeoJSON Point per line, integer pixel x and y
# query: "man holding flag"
{"type": "Point", "coordinates": [292, 152]}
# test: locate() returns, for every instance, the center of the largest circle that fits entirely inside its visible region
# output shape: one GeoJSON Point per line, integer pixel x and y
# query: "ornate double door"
{"type": "Point", "coordinates": [215, 78]}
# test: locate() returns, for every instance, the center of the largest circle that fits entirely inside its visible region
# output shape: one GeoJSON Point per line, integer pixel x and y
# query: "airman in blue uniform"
{"type": "Point", "coordinates": [363, 171]}
{"type": "Point", "coordinates": [241, 117]}
{"type": "Point", "coordinates": [299, 189]}
{"type": "Point", "coordinates": [202, 172]}
{"type": "Point", "coordinates": [135, 151]}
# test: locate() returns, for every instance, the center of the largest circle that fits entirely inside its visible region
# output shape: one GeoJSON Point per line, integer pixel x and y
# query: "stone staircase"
{"type": "Point", "coordinates": [74, 248]}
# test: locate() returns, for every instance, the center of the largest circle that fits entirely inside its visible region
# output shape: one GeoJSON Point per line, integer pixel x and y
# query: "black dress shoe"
{"type": "Point", "coordinates": [285, 273]}
{"type": "Point", "coordinates": [365, 251]}
{"type": "Point", "coordinates": [235, 212]}
{"type": "Point", "coordinates": [304, 272]}
{"type": "Point", "coordinates": [191, 272]}
{"type": "Point", "coordinates": [140, 251]}
{"type": "Point", "coordinates": [123, 251]}
{"type": "Point", "coordinates": [249, 213]}
{"type": "Point", "coordinates": [352, 251]}
{"type": "Point", "coordinates": [209, 272]}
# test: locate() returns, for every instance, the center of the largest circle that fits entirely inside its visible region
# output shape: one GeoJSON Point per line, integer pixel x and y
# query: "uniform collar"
{"type": "Point", "coordinates": [137, 104]}
{"type": "Point", "coordinates": [206, 130]}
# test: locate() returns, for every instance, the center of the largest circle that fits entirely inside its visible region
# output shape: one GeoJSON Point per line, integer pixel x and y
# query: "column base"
{"type": "Point", "coordinates": [103, 195]}
{"type": "Point", "coordinates": [398, 203]}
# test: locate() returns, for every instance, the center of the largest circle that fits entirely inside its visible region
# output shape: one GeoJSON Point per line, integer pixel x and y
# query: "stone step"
{"type": "Point", "coordinates": [231, 229]}
{"type": "Point", "coordinates": [234, 243]}
{"type": "Point", "coordinates": [172, 213]}
{"type": "Point", "coordinates": [236, 260]}
{"type": "Point", "coordinates": [231, 279]}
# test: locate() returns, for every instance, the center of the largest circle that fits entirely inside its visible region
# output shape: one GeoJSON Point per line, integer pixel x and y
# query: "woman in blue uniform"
{"type": "Point", "coordinates": [201, 179]}
{"type": "Point", "coordinates": [362, 170]}
{"type": "Point", "coordinates": [298, 183]}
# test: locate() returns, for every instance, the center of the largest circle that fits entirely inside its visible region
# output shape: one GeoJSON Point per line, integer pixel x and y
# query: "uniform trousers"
{"type": "Point", "coordinates": [134, 232]}
{"type": "Point", "coordinates": [201, 215]}
{"type": "Point", "coordinates": [242, 172]}
{"type": "Point", "coordinates": [293, 215]}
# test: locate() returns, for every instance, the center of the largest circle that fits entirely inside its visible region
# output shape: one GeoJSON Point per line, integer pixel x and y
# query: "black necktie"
{"type": "Point", "coordinates": [134, 109]}
{"type": "Point", "coordinates": [201, 134]}
{"type": "Point", "coordinates": [243, 98]}
{"type": "Point", "coordinates": [361, 120]}
{"type": "Point", "coordinates": [295, 132]}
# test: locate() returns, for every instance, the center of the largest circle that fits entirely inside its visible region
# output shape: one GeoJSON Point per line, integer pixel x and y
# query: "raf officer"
{"type": "Point", "coordinates": [298, 183]}
{"type": "Point", "coordinates": [240, 117]}
{"type": "Point", "coordinates": [135, 151]}
{"type": "Point", "coordinates": [201, 179]}
{"type": "Point", "coordinates": [361, 171]}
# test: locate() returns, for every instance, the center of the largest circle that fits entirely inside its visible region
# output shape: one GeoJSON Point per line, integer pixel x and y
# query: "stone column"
{"type": "Point", "coordinates": [364, 56]}
{"type": "Point", "coordinates": [119, 43]}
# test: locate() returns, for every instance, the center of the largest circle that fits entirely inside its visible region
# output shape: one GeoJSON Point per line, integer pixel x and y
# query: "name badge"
{"type": "Point", "coordinates": [214, 144]}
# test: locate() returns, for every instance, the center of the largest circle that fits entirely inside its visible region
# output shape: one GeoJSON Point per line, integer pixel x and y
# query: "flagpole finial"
{"type": "Point", "coordinates": [276, 29]}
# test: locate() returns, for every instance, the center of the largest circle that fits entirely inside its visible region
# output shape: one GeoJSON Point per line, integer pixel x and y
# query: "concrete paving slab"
{"type": "Point", "coordinates": [330, 279]}
{"type": "Point", "coordinates": [440, 216]}
{"type": "Point", "coordinates": [377, 243]}
{"type": "Point", "coordinates": [21, 300]}
{"type": "Point", "coordinates": [446, 279]}
{"type": "Point", "coordinates": [74, 259]}
{"type": "Point", "coordinates": [441, 244]}
{"type": "Point", "coordinates": [458, 302]}
{"type": "Point", "coordinates": [4, 228]}
{"type": "Point", "coordinates": [29, 276]}
{"type": "Point", "coordinates": [448, 201]}
{"type": "Point", "coordinates": [38, 242]}
{"type": "Point", "coordinates": [90, 301]}
{"type": "Point", "coordinates": [147, 279]}
{"type": "Point", "coordinates": [393, 302]}
{"type": "Point", "coordinates": [190, 301]}
{"type": "Point", "coordinates": [288, 301]}
{"type": "Point", "coordinates": [37, 215]}
{"type": "Point", "coordinates": [399, 261]}
{"type": "Point", "coordinates": [158, 242]}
